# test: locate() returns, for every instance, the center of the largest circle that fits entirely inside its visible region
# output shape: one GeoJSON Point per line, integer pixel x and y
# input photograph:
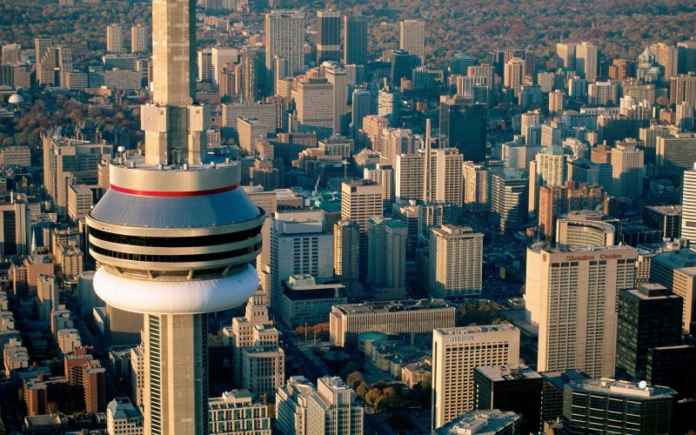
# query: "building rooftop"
{"type": "Point", "coordinates": [505, 373]}
{"type": "Point", "coordinates": [394, 306]}
{"type": "Point", "coordinates": [482, 422]}
{"type": "Point", "coordinates": [669, 210]}
{"type": "Point", "coordinates": [623, 388]}
{"type": "Point", "coordinates": [121, 408]}
{"type": "Point", "coordinates": [677, 259]}
{"type": "Point", "coordinates": [475, 329]}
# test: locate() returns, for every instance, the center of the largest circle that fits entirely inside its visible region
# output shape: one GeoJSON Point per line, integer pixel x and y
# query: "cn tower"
{"type": "Point", "coordinates": [174, 237]}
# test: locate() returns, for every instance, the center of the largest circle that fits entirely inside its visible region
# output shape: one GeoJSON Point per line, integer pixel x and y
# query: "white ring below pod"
{"type": "Point", "coordinates": [176, 297]}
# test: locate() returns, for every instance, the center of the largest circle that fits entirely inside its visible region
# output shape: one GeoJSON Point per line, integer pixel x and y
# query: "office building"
{"type": "Point", "coordinates": [139, 42]}
{"type": "Point", "coordinates": [675, 153]}
{"type": "Point", "coordinates": [465, 126]}
{"type": "Point", "coordinates": [346, 248]}
{"type": "Point", "coordinates": [506, 389]}
{"type": "Point", "coordinates": [588, 280]}
{"type": "Point", "coordinates": [360, 108]}
{"type": "Point", "coordinates": [284, 33]}
{"type": "Point", "coordinates": [300, 242]}
{"type": "Point", "coordinates": [304, 302]}
{"type": "Point", "coordinates": [338, 78]}
{"type": "Point", "coordinates": [508, 198]}
{"type": "Point", "coordinates": [627, 169]}
{"type": "Point", "coordinates": [175, 310]}
{"type": "Point", "coordinates": [355, 35]}
{"type": "Point", "coordinates": [492, 422]}
{"type": "Point", "coordinates": [314, 102]}
{"type": "Point", "coordinates": [683, 89]}
{"type": "Point", "coordinates": [236, 413]}
{"type": "Point", "coordinates": [553, 386]}
{"type": "Point", "coordinates": [263, 369]}
{"type": "Point", "coordinates": [412, 37]}
{"type": "Point", "coordinates": [387, 242]}
{"type": "Point", "coordinates": [671, 366]}
{"type": "Point", "coordinates": [649, 316]}
{"type": "Point", "coordinates": [329, 42]}
{"type": "Point", "coordinates": [666, 56]}
{"type": "Point", "coordinates": [566, 52]}
{"type": "Point", "coordinates": [620, 407]}
{"type": "Point", "coordinates": [330, 407]}
{"type": "Point", "coordinates": [123, 418]}
{"type": "Point", "coordinates": [556, 101]}
{"type": "Point", "coordinates": [15, 227]}
{"type": "Point", "coordinates": [421, 316]}
{"type": "Point", "coordinates": [456, 262]}
{"type": "Point", "coordinates": [555, 202]}
{"type": "Point", "coordinates": [676, 270]}
{"type": "Point", "coordinates": [115, 42]}
{"type": "Point", "coordinates": [586, 63]}
{"type": "Point", "coordinates": [361, 200]}
{"type": "Point", "coordinates": [456, 353]}
{"type": "Point", "coordinates": [666, 218]}
{"type": "Point", "coordinates": [475, 184]}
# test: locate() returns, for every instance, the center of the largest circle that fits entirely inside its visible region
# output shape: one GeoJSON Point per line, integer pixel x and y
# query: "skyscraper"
{"type": "Point", "coordinates": [386, 253]}
{"type": "Point", "coordinates": [586, 60]}
{"type": "Point", "coordinates": [465, 127]}
{"type": "Point", "coordinates": [114, 39]}
{"type": "Point", "coordinates": [649, 316]}
{"type": "Point", "coordinates": [572, 296]}
{"type": "Point", "coordinates": [456, 259]}
{"type": "Point", "coordinates": [456, 353]}
{"type": "Point", "coordinates": [284, 33]}
{"type": "Point", "coordinates": [508, 198]}
{"type": "Point", "coordinates": [361, 107]}
{"type": "Point", "coordinates": [157, 258]}
{"type": "Point", "coordinates": [628, 171]}
{"type": "Point", "coordinates": [412, 37]}
{"type": "Point", "coordinates": [513, 74]}
{"type": "Point", "coordinates": [346, 245]}
{"type": "Point", "coordinates": [361, 200]}
{"type": "Point", "coordinates": [354, 40]}
{"type": "Point", "coordinates": [329, 43]}
{"type": "Point", "coordinates": [688, 221]}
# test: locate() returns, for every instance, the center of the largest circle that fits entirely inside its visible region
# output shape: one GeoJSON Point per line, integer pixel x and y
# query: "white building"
{"type": "Point", "coordinates": [236, 413]}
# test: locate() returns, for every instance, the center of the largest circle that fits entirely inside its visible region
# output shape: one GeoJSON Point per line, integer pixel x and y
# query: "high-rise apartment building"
{"type": "Point", "coordinates": [584, 229]}
{"type": "Point", "coordinates": [354, 40]}
{"type": "Point", "coordinates": [619, 407]}
{"type": "Point", "coordinates": [571, 296]}
{"type": "Point", "coordinates": [329, 43]}
{"type": "Point", "coordinates": [551, 166]}
{"type": "Point", "coordinates": [513, 74]}
{"type": "Point", "coordinates": [456, 353]}
{"type": "Point", "coordinates": [586, 62]}
{"type": "Point", "coordinates": [170, 265]}
{"type": "Point", "coordinates": [330, 407]}
{"type": "Point", "coordinates": [508, 198]}
{"type": "Point", "coordinates": [456, 262]}
{"type": "Point", "coordinates": [387, 242]}
{"type": "Point", "coordinates": [688, 220]}
{"type": "Point", "coordinates": [138, 39]}
{"type": "Point", "coordinates": [475, 184]}
{"type": "Point", "coordinates": [627, 169]}
{"type": "Point", "coordinates": [649, 316]}
{"type": "Point", "coordinates": [114, 39]}
{"type": "Point", "coordinates": [361, 200]}
{"type": "Point", "coordinates": [412, 37]}
{"type": "Point", "coordinates": [284, 33]}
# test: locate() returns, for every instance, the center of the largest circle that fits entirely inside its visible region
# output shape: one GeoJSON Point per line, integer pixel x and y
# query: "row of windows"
{"type": "Point", "coordinates": [175, 242]}
{"type": "Point", "coordinates": [185, 258]}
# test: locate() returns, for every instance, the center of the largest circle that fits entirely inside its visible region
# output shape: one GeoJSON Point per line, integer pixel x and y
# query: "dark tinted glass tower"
{"type": "Point", "coordinates": [649, 316]}
{"type": "Point", "coordinates": [354, 40]}
{"type": "Point", "coordinates": [329, 44]}
{"type": "Point", "coordinates": [465, 126]}
{"type": "Point", "coordinates": [673, 366]}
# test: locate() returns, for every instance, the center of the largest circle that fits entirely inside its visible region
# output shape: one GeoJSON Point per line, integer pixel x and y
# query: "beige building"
{"type": "Point", "coordinates": [571, 296]}
{"type": "Point", "coordinates": [284, 33]}
{"type": "Point", "coordinates": [456, 259]}
{"type": "Point", "coordinates": [513, 74]}
{"type": "Point", "coordinates": [421, 316]}
{"type": "Point", "coordinates": [412, 37]}
{"type": "Point", "coordinates": [448, 179]}
{"type": "Point", "coordinates": [408, 177]}
{"type": "Point", "coordinates": [314, 101]}
{"type": "Point", "coordinates": [15, 156]}
{"type": "Point", "coordinates": [236, 413]}
{"type": "Point", "coordinates": [551, 167]}
{"type": "Point", "coordinates": [114, 39]}
{"type": "Point", "coordinates": [456, 353]}
{"type": "Point", "coordinates": [123, 418]}
{"type": "Point", "coordinates": [263, 369]}
{"type": "Point", "coordinates": [475, 184]}
{"type": "Point", "coordinates": [586, 64]}
{"type": "Point", "coordinates": [250, 130]}
{"type": "Point", "coordinates": [584, 230]}
{"type": "Point", "coordinates": [675, 152]}
{"type": "Point", "coordinates": [688, 212]}
{"type": "Point", "coordinates": [330, 408]}
{"type": "Point", "coordinates": [80, 200]}
{"type": "Point", "coordinates": [138, 39]}
{"type": "Point", "coordinates": [627, 169]}
{"type": "Point", "coordinates": [361, 200]}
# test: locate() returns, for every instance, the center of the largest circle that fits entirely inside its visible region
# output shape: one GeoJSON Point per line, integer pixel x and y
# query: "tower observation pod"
{"type": "Point", "coordinates": [174, 237]}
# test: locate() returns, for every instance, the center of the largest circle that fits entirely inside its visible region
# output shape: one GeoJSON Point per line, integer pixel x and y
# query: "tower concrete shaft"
{"type": "Point", "coordinates": [174, 128]}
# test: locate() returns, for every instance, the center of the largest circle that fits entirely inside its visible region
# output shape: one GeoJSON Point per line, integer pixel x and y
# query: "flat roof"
{"type": "Point", "coordinates": [394, 306]}
{"type": "Point", "coordinates": [505, 373]}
